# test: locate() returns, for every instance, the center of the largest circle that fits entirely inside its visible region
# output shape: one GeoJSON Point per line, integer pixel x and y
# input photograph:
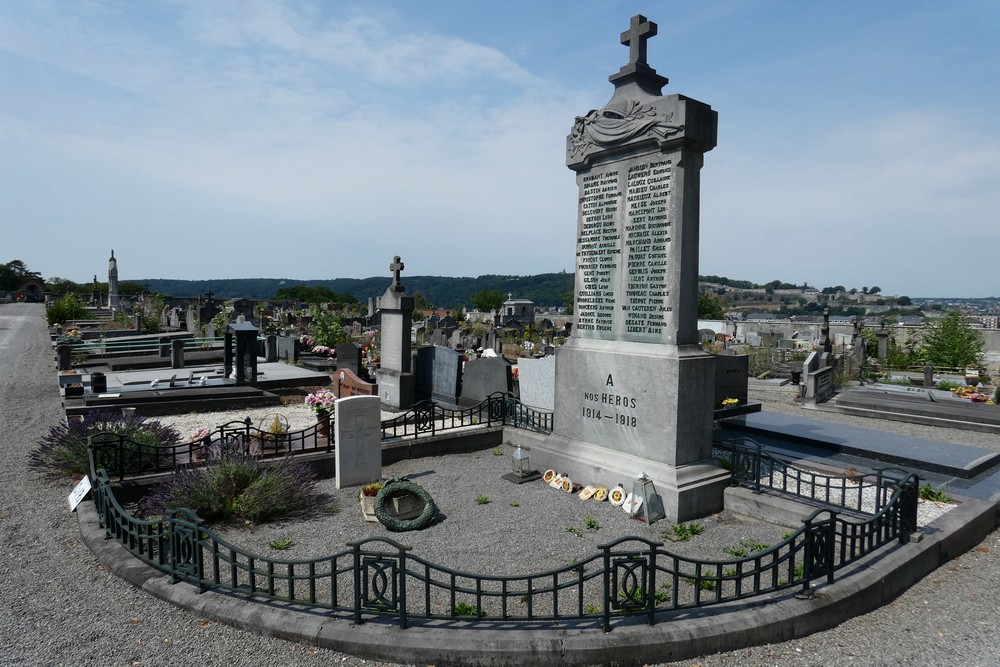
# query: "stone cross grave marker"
{"type": "Point", "coordinates": [395, 377]}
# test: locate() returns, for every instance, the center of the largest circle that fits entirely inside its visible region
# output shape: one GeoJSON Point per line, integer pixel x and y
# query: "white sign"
{"type": "Point", "coordinates": [79, 493]}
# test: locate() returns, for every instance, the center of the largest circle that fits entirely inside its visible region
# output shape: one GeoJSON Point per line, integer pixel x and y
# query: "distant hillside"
{"type": "Point", "coordinates": [546, 289]}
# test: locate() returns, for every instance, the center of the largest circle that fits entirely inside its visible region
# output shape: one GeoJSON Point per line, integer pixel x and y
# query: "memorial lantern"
{"type": "Point", "coordinates": [521, 462]}
{"type": "Point", "coordinates": [646, 504]}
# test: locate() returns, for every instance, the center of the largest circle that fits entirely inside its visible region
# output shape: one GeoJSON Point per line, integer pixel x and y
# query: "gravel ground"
{"type": "Point", "coordinates": [61, 607]}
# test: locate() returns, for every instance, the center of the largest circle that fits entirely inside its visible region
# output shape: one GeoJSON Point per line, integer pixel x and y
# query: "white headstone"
{"type": "Point", "coordinates": [358, 424]}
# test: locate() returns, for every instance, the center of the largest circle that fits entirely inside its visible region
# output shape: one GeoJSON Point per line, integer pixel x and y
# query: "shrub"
{"type": "Point", "coordinates": [67, 308]}
{"type": "Point", "coordinates": [63, 451]}
{"type": "Point", "coordinates": [236, 487]}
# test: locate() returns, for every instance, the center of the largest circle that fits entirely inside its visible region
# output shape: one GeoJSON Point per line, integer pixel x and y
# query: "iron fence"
{"type": "Point", "coordinates": [381, 578]}
{"type": "Point", "coordinates": [124, 457]}
{"type": "Point", "coordinates": [864, 494]}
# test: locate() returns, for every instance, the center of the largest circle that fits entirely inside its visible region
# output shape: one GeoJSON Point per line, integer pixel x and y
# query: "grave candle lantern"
{"type": "Point", "coordinates": [522, 462]}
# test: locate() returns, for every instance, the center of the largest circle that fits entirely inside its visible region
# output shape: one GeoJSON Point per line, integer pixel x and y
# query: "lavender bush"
{"type": "Point", "coordinates": [63, 450]}
{"type": "Point", "coordinates": [236, 487]}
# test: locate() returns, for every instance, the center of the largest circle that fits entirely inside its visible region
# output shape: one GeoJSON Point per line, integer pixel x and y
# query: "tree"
{"type": "Point", "coordinates": [14, 273]}
{"type": "Point", "coordinates": [709, 307]}
{"type": "Point", "coordinates": [420, 301]}
{"type": "Point", "coordinates": [488, 301]}
{"type": "Point", "coordinates": [129, 288]}
{"type": "Point", "coordinates": [951, 342]}
{"type": "Point", "coordinates": [567, 300]}
{"type": "Point", "coordinates": [904, 301]}
{"type": "Point", "coordinates": [874, 289]}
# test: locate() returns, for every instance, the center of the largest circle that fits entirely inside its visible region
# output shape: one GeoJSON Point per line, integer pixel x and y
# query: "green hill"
{"type": "Point", "coordinates": [546, 289]}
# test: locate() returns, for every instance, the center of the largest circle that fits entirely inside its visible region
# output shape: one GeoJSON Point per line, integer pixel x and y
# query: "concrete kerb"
{"type": "Point", "coordinates": [862, 587]}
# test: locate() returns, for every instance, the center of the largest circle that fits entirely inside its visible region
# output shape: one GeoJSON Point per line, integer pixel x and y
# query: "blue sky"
{"type": "Point", "coordinates": [858, 141]}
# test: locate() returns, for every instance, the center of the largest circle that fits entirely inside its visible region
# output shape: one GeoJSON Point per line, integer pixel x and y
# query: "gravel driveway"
{"type": "Point", "coordinates": [60, 607]}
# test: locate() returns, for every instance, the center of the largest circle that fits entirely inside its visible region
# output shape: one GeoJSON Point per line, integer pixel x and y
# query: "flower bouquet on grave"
{"type": "Point", "coordinates": [321, 402]}
{"type": "Point", "coordinates": [197, 441]}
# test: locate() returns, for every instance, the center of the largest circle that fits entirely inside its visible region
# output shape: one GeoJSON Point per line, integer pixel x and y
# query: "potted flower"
{"type": "Point", "coordinates": [198, 439]}
{"type": "Point", "coordinates": [367, 497]}
{"type": "Point", "coordinates": [321, 402]}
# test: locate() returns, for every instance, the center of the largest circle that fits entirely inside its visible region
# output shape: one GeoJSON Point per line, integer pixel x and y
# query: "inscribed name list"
{"type": "Point", "coordinates": [623, 250]}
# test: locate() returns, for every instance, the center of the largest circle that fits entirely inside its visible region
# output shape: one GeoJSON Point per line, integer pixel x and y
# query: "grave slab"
{"type": "Point", "coordinates": [963, 461]}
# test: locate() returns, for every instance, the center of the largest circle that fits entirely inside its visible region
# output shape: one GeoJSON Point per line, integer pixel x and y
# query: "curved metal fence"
{"type": "Point", "coordinates": [124, 457]}
{"type": "Point", "coordinates": [863, 494]}
{"type": "Point", "coordinates": [381, 578]}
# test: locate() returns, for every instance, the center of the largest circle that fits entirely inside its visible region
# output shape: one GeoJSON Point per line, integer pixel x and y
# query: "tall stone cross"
{"type": "Point", "coordinates": [396, 267]}
{"type": "Point", "coordinates": [640, 29]}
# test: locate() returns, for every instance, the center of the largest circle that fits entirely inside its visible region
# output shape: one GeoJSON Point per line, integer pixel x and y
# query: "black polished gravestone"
{"type": "Point", "coordinates": [439, 375]}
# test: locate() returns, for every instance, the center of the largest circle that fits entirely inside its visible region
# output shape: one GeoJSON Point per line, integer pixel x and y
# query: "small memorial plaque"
{"type": "Point", "coordinates": [79, 493]}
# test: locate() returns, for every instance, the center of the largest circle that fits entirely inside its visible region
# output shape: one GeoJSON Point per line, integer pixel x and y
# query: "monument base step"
{"type": "Point", "coordinates": [688, 492]}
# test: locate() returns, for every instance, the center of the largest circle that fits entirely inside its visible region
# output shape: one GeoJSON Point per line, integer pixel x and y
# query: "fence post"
{"type": "Point", "coordinates": [357, 582]}
{"type": "Point", "coordinates": [606, 613]}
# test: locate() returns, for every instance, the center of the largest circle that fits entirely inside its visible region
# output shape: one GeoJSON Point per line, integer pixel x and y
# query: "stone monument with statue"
{"type": "Point", "coordinates": [634, 391]}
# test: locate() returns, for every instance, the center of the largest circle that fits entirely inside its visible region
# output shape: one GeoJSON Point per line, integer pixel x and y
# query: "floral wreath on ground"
{"type": "Point", "coordinates": [321, 401]}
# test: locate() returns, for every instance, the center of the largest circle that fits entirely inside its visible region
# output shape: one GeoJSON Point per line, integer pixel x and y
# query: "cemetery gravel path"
{"type": "Point", "coordinates": [60, 607]}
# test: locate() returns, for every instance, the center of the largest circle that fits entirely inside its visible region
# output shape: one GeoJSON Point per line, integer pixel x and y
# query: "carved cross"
{"type": "Point", "coordinates": [640, 29]}
{"type": "Point", "coordinates": [360, 431]}
{"type": "Point", "coordinates": [396, 267]}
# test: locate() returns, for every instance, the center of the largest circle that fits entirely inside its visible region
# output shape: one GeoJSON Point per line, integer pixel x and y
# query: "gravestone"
{"type": "Point", "coordinates": [177, 353]}
{"type": "Point", "coordinates": [732, 377]}
{"type": "Point", "coordinates": [358, 429]}
{"type": "Point", "coordinates": [537, 382]}
{"type": "Point", "coordinates": [882, 338]}
{"type": "Point", "coordinates": [439, 375]}
{"type": "Point", "coordinates": [349, 358]}
{"type": "Point", "coordinates": [395, 376]}
{"type": "Point", "coordinates": [349, 384]}
{"type": "Point", "coordinates": [817, 377]}
{"type": "Point", "coordinates": [634, 391]}
{"type": "Point", "coordinates": [288, 349]}
{"type": "Point", "coordinates": [239, 354]}
{"type": "Point", "coordinates": [437, 338]}
{"type": "Point", "coordinates": [482, 377]}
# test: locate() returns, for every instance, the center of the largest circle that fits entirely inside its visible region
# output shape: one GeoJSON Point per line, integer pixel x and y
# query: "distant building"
{"type": "Point", "coordinates": [517, 311]}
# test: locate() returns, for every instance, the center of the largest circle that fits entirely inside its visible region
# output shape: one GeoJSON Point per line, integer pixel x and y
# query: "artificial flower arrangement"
{"type": "Point", "coordinates": [730, 402]}
{"type": "Point", "coordinates": [973, 394]}
{"type": "Point", "coordinates": [321, 401]}
{"type": "Point", "coordinates": [199, 435]}
{"type": "Point", "coordinates": [323, 349]}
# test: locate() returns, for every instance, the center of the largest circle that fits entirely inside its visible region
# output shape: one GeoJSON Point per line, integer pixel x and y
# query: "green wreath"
{"type": "Point", "coordinates": [398, 487]}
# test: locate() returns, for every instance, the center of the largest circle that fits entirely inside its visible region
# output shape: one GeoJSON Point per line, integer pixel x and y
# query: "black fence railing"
{"type": "Point", "coordinates": [380, 578]}
{"type": "Point", "coordinates": [862, 494]}
{"type": "Point", "coordinates": [123, 457]}
{"type": "Point", "coordinates": [499, 409]}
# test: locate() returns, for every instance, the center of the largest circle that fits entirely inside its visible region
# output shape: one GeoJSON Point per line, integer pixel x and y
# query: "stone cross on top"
{"type": "Point", "coordinates": [640, 30]}
{"type": "Point", "coordinates": [396, 267]}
